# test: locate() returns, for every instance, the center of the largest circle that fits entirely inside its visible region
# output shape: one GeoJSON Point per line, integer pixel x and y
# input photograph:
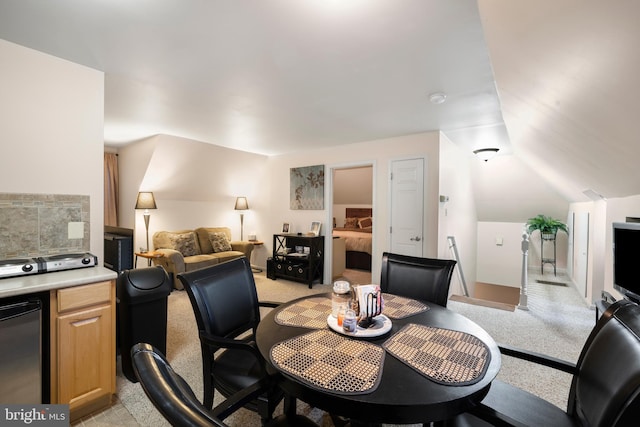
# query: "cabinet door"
{"type": "Point", "coordinates": [85, 353]}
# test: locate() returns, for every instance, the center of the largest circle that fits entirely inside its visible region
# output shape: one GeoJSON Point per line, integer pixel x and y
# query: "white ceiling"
{"type": "Point", "coordinates": [283, 75]}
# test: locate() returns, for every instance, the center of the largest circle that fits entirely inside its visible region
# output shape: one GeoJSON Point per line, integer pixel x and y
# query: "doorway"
{"type": "Point", "coordinates": [351, 190]}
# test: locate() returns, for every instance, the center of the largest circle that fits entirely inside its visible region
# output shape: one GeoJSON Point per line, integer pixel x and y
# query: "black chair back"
{"type": "Point", "coordinates": [606, 389]}
{"type": "Point", "coordinates": [227, 310]}
{"type": "Point", "coordinates": [167, 390]}
{"type": "Point", "coordinates": [224, 298]}
{"type": "Point", "coordinates": [425, 279]}
{"type": "Point", "coordinates": [177, 403]}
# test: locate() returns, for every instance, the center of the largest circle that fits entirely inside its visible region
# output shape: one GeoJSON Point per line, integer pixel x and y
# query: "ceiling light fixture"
{"type": "Point", "coordinates": [486, 153]}
{"type": "Point", "coordinates": [437, 98]}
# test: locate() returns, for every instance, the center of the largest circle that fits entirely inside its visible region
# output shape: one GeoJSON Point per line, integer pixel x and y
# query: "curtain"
{"type": "Point", "coordinates": [111, 191]}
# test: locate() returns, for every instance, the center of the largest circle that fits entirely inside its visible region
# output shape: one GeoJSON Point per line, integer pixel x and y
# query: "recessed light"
{"type": "Point", "coordinates": [437, 98]}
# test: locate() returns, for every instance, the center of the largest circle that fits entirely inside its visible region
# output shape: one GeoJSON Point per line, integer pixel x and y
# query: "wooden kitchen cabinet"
{"type": "Point", "coordinates": [83, 359]}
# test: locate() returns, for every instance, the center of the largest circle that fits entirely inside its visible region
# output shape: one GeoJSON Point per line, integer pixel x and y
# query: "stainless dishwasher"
{"type": "Point", "coordinates": [21, 354]}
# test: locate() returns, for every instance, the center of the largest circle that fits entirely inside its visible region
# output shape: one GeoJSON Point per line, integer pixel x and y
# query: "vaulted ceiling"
{"type": "Point", "coordinates": [551, 83]}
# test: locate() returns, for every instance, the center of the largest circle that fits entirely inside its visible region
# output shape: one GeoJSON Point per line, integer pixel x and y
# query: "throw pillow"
{"type": "Point", "coordinates": [220, 242]}
{"type": "Point", "coordinates": [351, 223]}
{"type": "Point", "coordinates": [365, 222]}
{"type": "Point", "coordinates": [185, 243]}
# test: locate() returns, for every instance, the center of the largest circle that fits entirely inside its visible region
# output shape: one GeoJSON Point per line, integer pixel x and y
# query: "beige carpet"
{"type": "Point", "coordinates": [557, 323]}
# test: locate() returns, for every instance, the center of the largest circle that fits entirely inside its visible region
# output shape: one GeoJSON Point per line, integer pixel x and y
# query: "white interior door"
{"type": "Point", "coordinates": [581, 251]}
{"type": "Point", "coordinates": [570, 243]}
{"type": "Point", "coordinates": [407, 206]}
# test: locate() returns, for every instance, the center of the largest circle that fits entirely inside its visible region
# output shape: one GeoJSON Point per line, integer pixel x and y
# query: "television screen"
{"type": "Point", "coordinates": [626, 258]}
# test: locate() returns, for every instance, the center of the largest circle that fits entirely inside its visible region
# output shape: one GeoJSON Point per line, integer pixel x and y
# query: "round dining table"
{"type": "Point", "coordinates": [403, 395]}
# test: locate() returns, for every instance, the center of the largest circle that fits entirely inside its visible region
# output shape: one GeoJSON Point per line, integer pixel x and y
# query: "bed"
{"type": "Point", "coordinates": [358, 238]}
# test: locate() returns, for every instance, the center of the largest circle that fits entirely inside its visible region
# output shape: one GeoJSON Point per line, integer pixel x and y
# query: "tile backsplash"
{"type": "Point", "coordinates": [42, 224]}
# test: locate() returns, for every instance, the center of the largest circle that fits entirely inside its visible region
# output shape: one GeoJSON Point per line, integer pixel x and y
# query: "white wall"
{"type": "Point", "coordinates": [51, 124]}
{"type": "Point", "coordinates": [379, 153]}
{"type": "Point", "coordinates": [500, 264]}
{"type": "Point", "coordinates": [194, 184]}
{"type": "Point", "coordinates": [508, 178]}
{"type": "Point", "coordinates": [457, 217]}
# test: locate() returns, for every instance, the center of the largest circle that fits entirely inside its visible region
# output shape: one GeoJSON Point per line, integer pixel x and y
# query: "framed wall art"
{"type": "Point", "coordinates": [307, 188]}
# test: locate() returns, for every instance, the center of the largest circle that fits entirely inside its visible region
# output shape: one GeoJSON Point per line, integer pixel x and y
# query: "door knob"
{"type": "Point", "coordinates": [417, 239]}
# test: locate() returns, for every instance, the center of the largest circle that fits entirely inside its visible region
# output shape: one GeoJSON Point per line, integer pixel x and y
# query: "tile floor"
{"type": "Point", "coordinates": [115, 415]}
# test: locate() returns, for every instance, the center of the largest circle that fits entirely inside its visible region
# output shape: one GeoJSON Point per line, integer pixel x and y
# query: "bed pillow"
{"type": "Point", "coordinates": [351, 223]}
{"type": "Point", "coordinates": [220, 242]}
{"type": "Point", "coordinates": [185, 243]}
{"type": "Point", "coordinates": [366, 222]}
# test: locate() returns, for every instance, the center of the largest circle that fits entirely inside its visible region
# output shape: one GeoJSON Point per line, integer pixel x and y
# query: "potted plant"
{"type": "Point", "coordinates": [548, 226]}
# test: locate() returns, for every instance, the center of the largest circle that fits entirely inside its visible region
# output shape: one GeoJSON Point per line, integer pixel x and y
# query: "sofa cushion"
{"type": "Point", "coordinates": [219, 242]}
{"type": "Point", "coordinates": [199, 261]}
{"type": "Point", "coordinates": [203, 237]}
{"type": "Point", "coordinates": [227, 256]}
{"type": "Point", "coordinates": [185, 243]}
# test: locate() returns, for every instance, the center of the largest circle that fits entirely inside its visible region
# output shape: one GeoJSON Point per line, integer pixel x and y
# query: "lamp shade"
{"type": "Point", "coordinates": [146, 200]}
{"type": "Point", "coordinates": [241, 204]}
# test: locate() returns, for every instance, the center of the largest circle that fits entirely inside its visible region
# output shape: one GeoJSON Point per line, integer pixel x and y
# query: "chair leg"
{"type": "Point", "coordinates": [339, 421]}
{"type": "Point", "coordinates": [208, 392]}
{"type": "Point", "coordinates": [265, 409]}
{"type": "Point", "coordinates": [289, 406]}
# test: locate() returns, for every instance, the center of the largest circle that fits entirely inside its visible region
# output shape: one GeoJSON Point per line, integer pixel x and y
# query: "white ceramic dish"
{"type": "Point", "coordinates": [382, 325]}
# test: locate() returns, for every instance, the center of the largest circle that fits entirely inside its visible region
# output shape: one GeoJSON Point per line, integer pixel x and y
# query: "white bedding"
{"type": "Point", "coordinates": [356, 241]}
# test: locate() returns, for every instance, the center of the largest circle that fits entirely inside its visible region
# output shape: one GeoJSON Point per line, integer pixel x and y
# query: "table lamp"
{"type": "Point", "coordinates": [146, 201]}
{"type": "Point", "coordinates": [241, 205]}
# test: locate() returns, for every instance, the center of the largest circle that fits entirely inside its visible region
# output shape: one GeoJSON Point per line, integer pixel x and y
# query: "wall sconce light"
{"type": "Point", "coordinates": [146, 201]}
{"type": "Point", "coordinates": [486, 153]}
{"type": "Point", "coordinates": [241, 205]}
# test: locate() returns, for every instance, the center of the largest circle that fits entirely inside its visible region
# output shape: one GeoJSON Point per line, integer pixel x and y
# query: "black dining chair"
{"type": "Point", "coordinates": [175, 400]}
{"type": "Point", "coordinates": [227, 310]}
{"type": "Point", "coordinates": [426, 279]}
{"type": "Point", "coordinates": [605, 388]}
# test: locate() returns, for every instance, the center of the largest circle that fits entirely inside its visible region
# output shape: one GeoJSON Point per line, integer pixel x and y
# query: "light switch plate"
{"type": "Point", "coordinates": [75, 230]}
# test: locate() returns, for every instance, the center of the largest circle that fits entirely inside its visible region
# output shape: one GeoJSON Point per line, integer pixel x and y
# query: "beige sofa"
{"type": "Point", "coordinates": [188, 250]}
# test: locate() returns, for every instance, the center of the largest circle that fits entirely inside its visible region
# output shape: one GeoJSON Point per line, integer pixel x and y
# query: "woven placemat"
{"type": "Point", "coordinates": [397, 307]}
{"type": "Point", "coordinates": [330, 362]}
{"type": "Point", "coordinates": [442, 355]}
{"type": "Point", "coordinates": [309, 313]}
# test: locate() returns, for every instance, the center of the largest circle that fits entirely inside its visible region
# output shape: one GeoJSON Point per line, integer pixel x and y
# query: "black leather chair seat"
{"type": "Point", "coordinates": [234, 370]}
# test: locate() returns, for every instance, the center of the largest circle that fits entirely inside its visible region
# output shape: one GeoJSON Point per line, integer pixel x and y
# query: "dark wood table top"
{"type": "Point", "coordinates": [403, 395]}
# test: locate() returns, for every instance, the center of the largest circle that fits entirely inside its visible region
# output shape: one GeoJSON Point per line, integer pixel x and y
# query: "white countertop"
{"type": "Point", "coordinates": [29, 284]}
